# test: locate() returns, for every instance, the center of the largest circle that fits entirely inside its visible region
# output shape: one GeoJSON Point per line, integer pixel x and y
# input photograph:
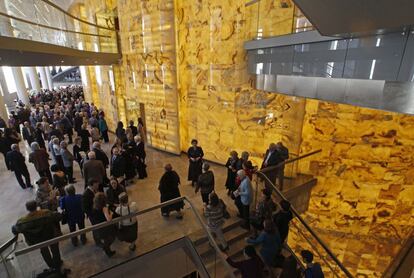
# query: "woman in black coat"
{"type": "Point", "coordinates": [84, 135]}
{"type": "Point", "coordinates": [233, 165]}
{"type": "Point", "coordinates": [195, 158]}
{"type": "Point", "coordinates": [169, 190]}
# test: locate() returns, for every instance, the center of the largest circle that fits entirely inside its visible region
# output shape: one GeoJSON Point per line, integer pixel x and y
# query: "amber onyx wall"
{"type": "Point", "coordinates": [217, 103]}
{"type": "Point", "coordinates": [149, 66]}
{"type": "Point", "coordinates": [363, 202]}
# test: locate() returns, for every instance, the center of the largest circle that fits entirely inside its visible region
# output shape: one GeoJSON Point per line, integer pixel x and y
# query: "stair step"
{"type": "Point", "coordinates": [199, 237]}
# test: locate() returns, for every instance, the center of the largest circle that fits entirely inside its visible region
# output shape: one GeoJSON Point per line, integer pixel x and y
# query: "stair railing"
{"type": "Point", "coordinates": [121, 218]}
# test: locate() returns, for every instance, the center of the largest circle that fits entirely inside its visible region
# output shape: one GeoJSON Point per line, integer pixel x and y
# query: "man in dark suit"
{"type": "Point", "coordinates": [276, 154]}
{"type": "Point", "coordinates": [28, 133]}
{"type": "Point", "coordinates": [87, 202]}
{"type": "Point", "coordinates": [100, 154]}
{"type": "Point", "coordinates": [270, 157]}
{"type": "Point", "coordinates": [16, 162]}
{"type": "Point", "coordinates": [93, 169]}
{"type": "Point", "coordinates": [117, 164]}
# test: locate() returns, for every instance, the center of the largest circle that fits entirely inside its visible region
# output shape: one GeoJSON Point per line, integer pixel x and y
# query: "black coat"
{"type": "Point", "coordinates": [16, 161]}
{"type": "Point", "coordinates": [78, 124]}
{"type": "Point", "coordinates": [118, 166]}
{"type": "Point", "coordinates": [194, 168]}
{"type": "Point", "coordinates": [39, 138]}
{"type": "Point", "coordinates": [232, 173]}
{"type": "Point", "coordinates": [169, 190]}
{"type": "Point", "coordinates": [134, 130]}
{"type": "Point", "coordinates": [101, 155]}
{"type": "Point", "coordinates": [29, 137]}
{"type": "Point", "coordinates": [87, 201]}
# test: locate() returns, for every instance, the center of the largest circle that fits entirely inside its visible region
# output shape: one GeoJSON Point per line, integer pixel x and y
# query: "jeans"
{"type": "Point", "coordinates": [51, 255]}
{"type": "Point", "coordinates": [219, 236]}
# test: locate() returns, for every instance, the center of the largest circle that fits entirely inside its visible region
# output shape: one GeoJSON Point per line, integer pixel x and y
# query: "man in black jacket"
{"type": "Point", "coordinates": [87, 202]}
{"type": "Point", "coordinates": [38, 226]}
{"type": "Point", "coordinates": [28, 133]}
{"type": "Point", "coordinates": [100, 154]}
{"type": "Point", "coordinates": [16, 162]}
{"type": "Point", "coordinates": [117, 164]}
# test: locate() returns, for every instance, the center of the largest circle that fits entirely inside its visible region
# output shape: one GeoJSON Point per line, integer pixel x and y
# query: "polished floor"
{"type": "Point", "coordinates": [154, 230]}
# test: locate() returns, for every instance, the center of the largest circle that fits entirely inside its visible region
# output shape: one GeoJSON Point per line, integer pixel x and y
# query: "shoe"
{"type": "Point", "coordinates": [110, 254]}
{"type": "Point", "coordinates": [132, 247]}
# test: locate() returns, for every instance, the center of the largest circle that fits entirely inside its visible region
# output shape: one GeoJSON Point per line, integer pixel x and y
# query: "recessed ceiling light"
{"type": "Point", "coordinates": [62, 61]}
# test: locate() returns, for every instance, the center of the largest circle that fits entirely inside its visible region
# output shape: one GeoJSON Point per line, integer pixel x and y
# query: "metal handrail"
{"type": "Point", "coordinates": [121, 218]}
{"type": "Point", "coordinates": [310, 230]}
{"type": "Point", "coordinates": [75, 17]}
{"type": "Point", "coordinates": [8, 243]}
{"type": "Point", "coordinates": [51, 27]}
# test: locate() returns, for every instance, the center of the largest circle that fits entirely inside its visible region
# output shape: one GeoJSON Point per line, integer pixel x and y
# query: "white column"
{"type": "Point", "coordinates": [43, 77]}
{"type": "Point", "coordinates": [3, 91]}
{"type": "Point", "coordinates": [20, 86]}
{"type": "Point", "coordinates": [34, 78]}
{"type": "Point", "coordinates": [49, 78]}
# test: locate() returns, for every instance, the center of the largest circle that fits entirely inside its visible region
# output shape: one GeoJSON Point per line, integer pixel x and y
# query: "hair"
{"type": "Point", "coordinates": [206, 166]}
{"type": "Point", "coordinates": [31, 205]}
{"type": "Point", "coordinates": [55, 168]}
{"type": "Point", "coordinates": [140, 121]}
{"type": "Point", "coordinates": [137, 137]}
{"type": "Point", "coordinates": [250, 251]}
{"type": "Point", "coordinates": [194, 141]}
{"type": "Point", "coordinates": [241, 173]}
{"type": "Point", "coordinates": [285, 205]}
{"type": "Point", "coordinates": [99, 201]}
{"type": "Point", "coordinates": [70, 190]}
{"type": "Point", "coordinates": [120, 125]}
{"type": "Point", "coordinates": [307, 256]}
{"type": "Point", "coordinates": [233, 153]}
{"type": "Point", "coordinates": [92, 181]}
{"type": "Point", "coordinates": [113, 179]}
{"type": "Point", "coordinates": [14, 147]}
{"type": "Point", "coordinates": [34, 146]}
{"type": "Point", "coordinates": [63, 145]}
{"type": "Point", "coordinates": [214, 199]}
{"type": "Point", "coordinates": [123, 198]}
{"type": "Point", "coordinates": [131, 122]}
{"type": "Point", "coordinates": [168, 167]}
{"type": "Point", "coordinates": [42, 180]}
{"type": "Point", "coordinates": [38, 125]}
{"type": "Point", "coordinates": [55, 140]}
{"type": "Point", "coordinates": [245, 155]}
{"type": "Point", "coordinates": [96, 145]}
{"type": "Point", "coordinates": [91, 155]}
{"type": "Point", "coordinates": [269, 227]}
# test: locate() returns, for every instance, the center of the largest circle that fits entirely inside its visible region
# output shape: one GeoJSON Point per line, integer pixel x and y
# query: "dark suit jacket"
{"type": "Point", "coordinates": [87, 201]}
{"type": "Point", "coordinates": [141, 151]}
{"type": "Point", "coordinates": [101, 156]}
{"type": "Point", "coordinates": [273, 159]}
{"type": "Point", "coordinates": [15, 161]}
{"type": "Point", "coordinates": [94, 169]}
{"type": "Point", "coordinates": [118, 166]}
{"type": "Point", "coordinates": [26, 135]}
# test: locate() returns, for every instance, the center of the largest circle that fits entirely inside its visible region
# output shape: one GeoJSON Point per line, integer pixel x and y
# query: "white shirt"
{"type": "Point", "coordinates": [123, 210]}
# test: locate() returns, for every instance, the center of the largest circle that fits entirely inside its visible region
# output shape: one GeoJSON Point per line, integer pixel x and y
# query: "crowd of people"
{"type": "Point", "coordinates": [49, 124]}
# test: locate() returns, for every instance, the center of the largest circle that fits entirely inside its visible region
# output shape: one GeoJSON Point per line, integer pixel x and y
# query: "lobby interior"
{"type": "Point", "coordinates": [190, 69]}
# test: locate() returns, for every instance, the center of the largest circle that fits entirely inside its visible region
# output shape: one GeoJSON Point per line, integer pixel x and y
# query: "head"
{"type": "Point", "coordinates": [34, 146]}
{"type": "Point", "coordinates": [214, 199]}
{"type": "Point", "coordinates": [120, 125]}
{"type": "Point", "coordinates": [168, 167]}
{"type": "Point", "coordinates": [114, 183]}
{"type": "Point", "coordinates": [241, 174]}
{"type": "Point", "coordinates": [96, 145]}
{"type": "Point", "coordinates": [131, 122]}
{"type": "Point", "coordinates": [140, 121]}
{"type": "Point", "coordinates": [94, 184]}
{"type": "Point", "coordinates": [272, 146]}
{"type": "Point", "coordinates": [38, 125]}
{"type": "Point", "coordinates": [99, 202]}
{"type": "Point", "coordinates": [245, 156]}
{"type": "Point", "coordinates": [54, 168]}
{"type": "Point", "coordinates": [206, 166]}
{"type": "Point", "coordinates": [55, 141]}
{"type": "Point", "coordinates": [307, 256]}
{"type": "Point", "coordinates": [43, 182]}
{"type": "Point", "coordinates": [15, 147]}
{"type": "Point", "coordinates": [70, 190]}
{"type": "Point", "coordinates": [267, 193]}
{"type": "Point", "coordinates": [249, 251]}
{"type": "Point", "coordinates": [194, 142]}
{"type": "Point", "coordinates": [91, 155]}
{"type": "Point", "coordinates": [31, 205]}
{"type": "Point", "coordinates": [137, 139]}
{"type": "Point", "coordinates": [78, 141]}
{"type": "Point", "coordinates": [123, 198]}
{"type": "Point", "coordinates": [63, 145]}
{"type": "Point", "coordinates": [26, 124]}
{"type": "Point", "coordinates": [234, 154]}
{"type": "Point", "coordinates": [285, 205]}
{"type": "Point", "coordinates": [279, 145]}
